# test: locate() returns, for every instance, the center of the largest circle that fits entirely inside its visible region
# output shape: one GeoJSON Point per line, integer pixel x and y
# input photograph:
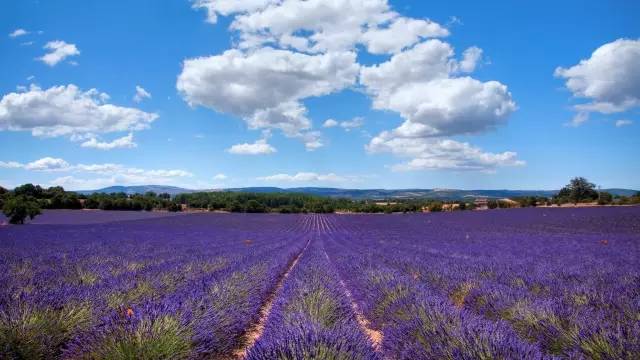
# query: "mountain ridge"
{"type": "Point", "coordinates": [356, 194]}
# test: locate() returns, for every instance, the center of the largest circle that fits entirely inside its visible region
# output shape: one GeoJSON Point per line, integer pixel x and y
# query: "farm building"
{"type": "Point", "coordinates": [481, 203]}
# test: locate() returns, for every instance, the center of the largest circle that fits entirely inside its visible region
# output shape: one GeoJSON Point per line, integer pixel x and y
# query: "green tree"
{"type": "Point", "coordinates": [253, 206]}
{"type": "Point", "coordinates": [435, 206]}
{"type": "Point", "coordinates": [29, 190]}
{"type": "Point", "coordinates": [579, 189]}
{"type": "Point", "coordinates": [605, 198]}
{"type": "Point", "coordinates": [18, 208]}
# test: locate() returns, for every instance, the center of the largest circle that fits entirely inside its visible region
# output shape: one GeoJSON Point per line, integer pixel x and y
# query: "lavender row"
{"type": "Point", "coordinates": [312, 318]}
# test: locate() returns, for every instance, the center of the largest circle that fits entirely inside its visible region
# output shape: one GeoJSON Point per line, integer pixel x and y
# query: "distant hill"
{"type": "Point", "coordinates": [356, 194]}
{"type": "Point", "coordinates": [140, 189]}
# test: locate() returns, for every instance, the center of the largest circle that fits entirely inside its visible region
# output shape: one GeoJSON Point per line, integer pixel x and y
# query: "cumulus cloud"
{"type": "Point", "coordinates": [470, 59]}
{"type": "Point", "coordinates": [227, 7]}
{"type": "Point", "coordinates": [399, 34]}
{"type": "Point", "coordinates": [622, 122]}
{"type": "Point", "coordinates": [286, 51]}
{"type": "Point", "coordinates": [10, 165]}
{"type": "Point", "coordinates": [18, 32]}
{"type": "Point", "coordinates": [260, 147]}
{"type": "Point", "coordinates": [265, 87]}
{"type": "Point", "coordinates": [141, 94]}
{"type": "Point", "coordinates": [220, 177]}
{"type": "Point", "coordinates": [610, 78]}
{"type": "Point", "coordinates": [307, 177]}
{"type": "Point", "coordinates": [66, 111]}
{"type": "Point", "coordinates": [125, 142]}
{"type": "Point", "coordinates": [58, 51]}
{"type": "Point", "coordinates": [320, 26]}
{"type": "Point", "coordinates": [111, 174]}
{"type": "Point", "coordinates": [346, 125]}
{"type": "Point", "coordinates": [440, 154]}
{"type": "Point", "coordinates": [44, 164]}
{"type": "Point", "coordinates": [420, 85]}
{"type": "Point", "coordinates": [423, 85]}
{"type": "Point", "coordinates": [329, 123]}
{"type": "Point", "coordinates": [47, 164]}
{"type": "Point", "coordinates": [242, 83]}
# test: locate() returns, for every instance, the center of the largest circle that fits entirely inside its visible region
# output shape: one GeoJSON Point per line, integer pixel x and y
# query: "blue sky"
{"type": "Point", "coordinates": [462, 94]}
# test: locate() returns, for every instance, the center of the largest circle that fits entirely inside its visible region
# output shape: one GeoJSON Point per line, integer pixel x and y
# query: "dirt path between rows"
{"type": "Point", "coordinates": [375, 336]}
{"type": "Point", "coordinates": [255, 331]}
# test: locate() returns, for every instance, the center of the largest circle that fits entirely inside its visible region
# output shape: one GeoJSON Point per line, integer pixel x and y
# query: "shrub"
{"type": "Point", "coordinates": [18, 208]}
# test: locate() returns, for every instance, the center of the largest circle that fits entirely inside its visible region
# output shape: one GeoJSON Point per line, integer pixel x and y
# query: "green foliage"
{"type": "Point", "coordinates": [578, 190]}
{"type": "Point", "coordinates": [161, 338]}
{"type": "Point", "coordinates": [29, 190]}
{"type": "Point", "coordinates": [253, 206]}
{"type": "Point", "coordinates": [605, 198]}
{"type": "Point", "coordinates": [18, 208]}
{"type": "Point", "coordinates": [31, 333]}
{"type": "Point", "coordinates": [435, 206]}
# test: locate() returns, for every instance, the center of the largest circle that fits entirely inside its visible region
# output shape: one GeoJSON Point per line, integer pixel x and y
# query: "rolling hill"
{"type": "Point", "coordinates": [357, 194]}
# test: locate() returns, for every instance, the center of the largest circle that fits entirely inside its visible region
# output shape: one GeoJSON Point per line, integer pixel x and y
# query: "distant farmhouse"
{"type": "Point", "coordinates": [481, 203]}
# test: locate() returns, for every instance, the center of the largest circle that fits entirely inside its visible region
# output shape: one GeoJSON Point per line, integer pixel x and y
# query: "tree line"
{"type": "Point", "coordinates": [27, 201]}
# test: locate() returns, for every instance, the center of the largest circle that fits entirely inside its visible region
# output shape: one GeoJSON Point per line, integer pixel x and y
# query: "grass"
{"type": "Point", "coordinates": [142, 290]}
{"type": "Point", "coordinates": [162, 338]}
{"type": "Point", "coordinates": [32, 333]}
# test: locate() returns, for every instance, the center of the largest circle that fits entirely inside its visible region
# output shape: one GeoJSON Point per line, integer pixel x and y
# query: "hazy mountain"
{"type": "Point", "coordinates": [443, 194]}
{"type": "Point", "coordinates": [140, 189]}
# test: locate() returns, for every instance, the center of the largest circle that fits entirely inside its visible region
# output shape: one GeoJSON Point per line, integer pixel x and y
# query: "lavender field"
{"type": "Point", "coordinates": [505, 284]}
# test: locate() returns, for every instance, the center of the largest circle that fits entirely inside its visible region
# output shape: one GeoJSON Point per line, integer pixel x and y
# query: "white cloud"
{"type": "Point", "coordinates": [242, 83]}
{"type": "Point", "coordinates": [260, 147]}
{"type": "Point", "coordinates": [265, 87]}
{"type": "Point", "coordinates": [113, 174]}
{"type": "Point", "coordinates": [44, 164]}
{"type": "Point", "coordinates": [125, 142]}
{"type": "Point", "coordinates": [47, 164]}
{"type": "Point", "coordinates": [470, 58]}
{"type": "Point", "coordinates": [59, 50]}
{"type": "Point", "coordinates": [401, 33]}
{"type": "Point", "coordinates": [347, 125]}
{"type": "Point", "coordinates": [73, 183]}
{"type": "Point", "coordinates": [18, 32]}
{"type": "Point", "coordinates": [220, 177]}
{"type": "Point", "coordinates": [421, 84]}
{"type": "Point", "coordinates": [228, 7]}
{"type": "Point", "coordinates": [621, 123]}
{"type": "Point", "coordinates": [10, 165]}
{"type": "Point", "coordinates": [319, 26]}
{"type": "Point", "coordinates": [442, 154]}
{"type": "Point", "coordinates": [418, 84]}
{"type": "Point", "coordinates": [578, 119]}
{"type": "Point", "coordinates": [66, 110]}
{"type": "Point", "coordinates": [352, 124]}
{"type": "Point", "coordinates": [286, 51]}
{"type": "Point", "coordinates": [331, 25]}
{"type": "Point", "coordinates": [329, 123]}
{"type": "Point", "coordinates": [304, 177]}
{"type": "Point", "coordinates": [610, 78]}
{"type": "Point", "coordinates": [141, 94]}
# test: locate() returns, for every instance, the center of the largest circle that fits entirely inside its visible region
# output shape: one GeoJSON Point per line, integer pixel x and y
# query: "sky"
{"type": "Point", "coordinates": [345, 93]}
